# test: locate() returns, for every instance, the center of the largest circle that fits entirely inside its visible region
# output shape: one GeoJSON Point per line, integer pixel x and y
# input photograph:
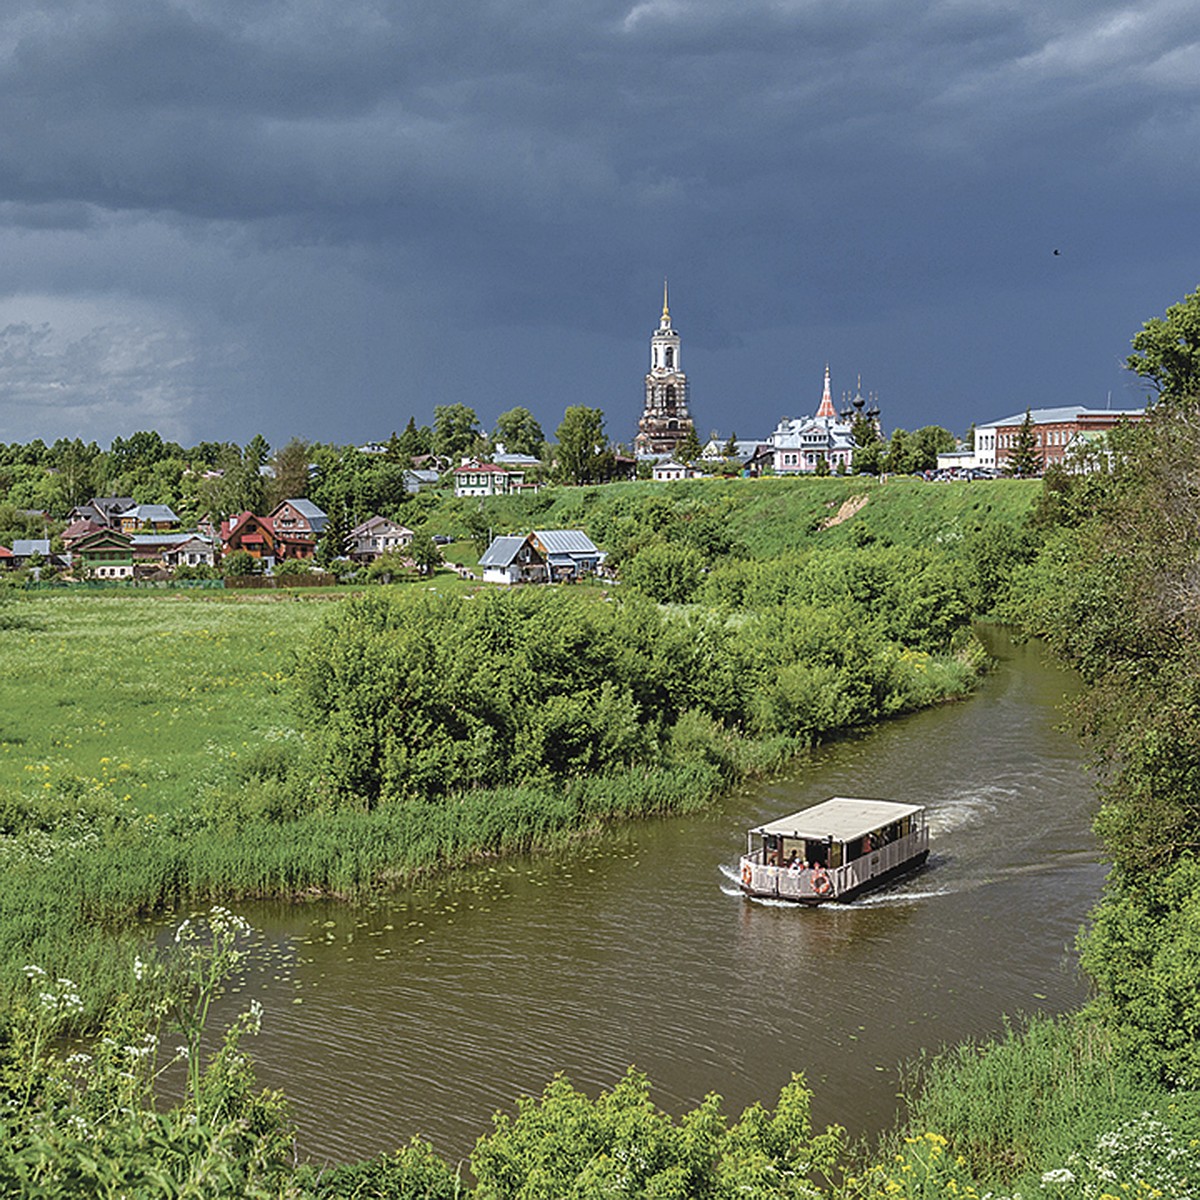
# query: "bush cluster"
{"type": "Point", "coordinates": [423, 696]}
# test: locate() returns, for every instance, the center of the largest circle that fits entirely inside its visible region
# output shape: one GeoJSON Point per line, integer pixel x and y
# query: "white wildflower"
{"type": "Point", "coordinates": [32, 971]}
{"type": "Point", "coordinates": [1058, 1175]}
{"type": "Point", "coordinates": [253, 1016]}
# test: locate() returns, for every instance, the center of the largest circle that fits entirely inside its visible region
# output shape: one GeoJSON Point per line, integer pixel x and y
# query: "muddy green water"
{"type": "Point", "coordinates": [426, 1012]}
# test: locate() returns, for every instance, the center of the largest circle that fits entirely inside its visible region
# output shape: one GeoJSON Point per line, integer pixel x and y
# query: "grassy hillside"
{"type": "Point", "coordinates": [763, 517]}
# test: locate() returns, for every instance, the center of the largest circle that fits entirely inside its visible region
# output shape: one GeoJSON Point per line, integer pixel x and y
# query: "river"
{"type": "Point", "coordinates": [427, 1010]}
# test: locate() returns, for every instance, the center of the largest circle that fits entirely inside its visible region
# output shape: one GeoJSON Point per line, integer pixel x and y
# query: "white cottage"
{"type": "Point", "coordinates": [544, 556]}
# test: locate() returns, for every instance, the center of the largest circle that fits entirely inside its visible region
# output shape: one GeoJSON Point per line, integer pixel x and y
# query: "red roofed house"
{"type": "Point", "coordinates": [78, 530]}
{"type": "Point", "coordinates": [255, 535]}
{"type": "Point", "coordinates": [486, 479]}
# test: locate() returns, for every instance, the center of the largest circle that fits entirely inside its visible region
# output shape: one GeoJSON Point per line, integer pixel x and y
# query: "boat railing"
{"type": "Point", "coordinates": [788, 883]}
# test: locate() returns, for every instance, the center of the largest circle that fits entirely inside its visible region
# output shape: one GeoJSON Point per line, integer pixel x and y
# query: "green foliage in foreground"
{"type": "Point", "coordinates": [1025, 1102]}
{"type": "Point", "coordinates": [85, 1122]}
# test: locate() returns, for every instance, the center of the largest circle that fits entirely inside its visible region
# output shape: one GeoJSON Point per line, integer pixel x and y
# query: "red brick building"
{"type": "Point", "coordinates": [1053, 429]}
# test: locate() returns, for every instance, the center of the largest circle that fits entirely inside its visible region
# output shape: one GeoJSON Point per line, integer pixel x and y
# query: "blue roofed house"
{"type": "Point", "coordinates": [147, 516]}
{"type": "Point", "coordinates": [24, 549]}
{"type": "Point", "coordinates": [544, 556]}
{"type": "Point", "coordinates": [298, 525]}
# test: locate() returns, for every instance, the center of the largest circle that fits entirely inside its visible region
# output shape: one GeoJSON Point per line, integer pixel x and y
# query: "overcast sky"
{"type": "Point", "coordinates": [316, 218]}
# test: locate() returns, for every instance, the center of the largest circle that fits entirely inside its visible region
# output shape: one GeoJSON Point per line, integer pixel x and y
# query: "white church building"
{"type": "Point", "coordinates": [802, 443]}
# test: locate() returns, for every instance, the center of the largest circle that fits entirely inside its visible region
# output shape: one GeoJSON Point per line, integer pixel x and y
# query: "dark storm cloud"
{"type": "Point", "coordinates": [812, 165]}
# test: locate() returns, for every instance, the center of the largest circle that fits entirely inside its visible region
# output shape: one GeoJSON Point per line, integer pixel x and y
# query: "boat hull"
{"type": "Point", "coordinates": [760, 887]}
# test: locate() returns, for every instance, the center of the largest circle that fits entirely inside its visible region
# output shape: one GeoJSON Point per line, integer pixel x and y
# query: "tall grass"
{"type": "Point", "coordinates": [68, 910]}
{"type": "Point", "coordinates": [1027, 1101]}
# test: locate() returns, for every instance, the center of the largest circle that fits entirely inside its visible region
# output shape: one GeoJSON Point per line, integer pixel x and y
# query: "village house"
{"type": "Point", "coordinates": [375, 537]}
{"type": "Point", "coordinates": [79, 529]}
{"type": "Point", "coordinates": [297, 525]}
{"type": "Point", "coordinates": [255, 535]}
{"type": "Point", "coordinates": [668, 470]}
{"type": "Point", "coordinates": [417, 478]}
{"type": "Point", "coordinates": [544, 556]}
{"type": "Point", "coordinates": [147, 517]}
{"type": "Point", "coordinates": [192, 551]}
{"type": "Point", "coordinates": [103, 554]}
{"type": "Point", "coordinates": [104, 511]}
{"type": "Point", "coordinates": [475, 478]}
{"type": "Point", "coordinates": [24, 549]}
{"type": "Point", "coordinates": [155, 551]}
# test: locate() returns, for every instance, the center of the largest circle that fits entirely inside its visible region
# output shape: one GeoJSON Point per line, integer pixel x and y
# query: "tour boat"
{"type": "Point", "coordinates": [834, 850]}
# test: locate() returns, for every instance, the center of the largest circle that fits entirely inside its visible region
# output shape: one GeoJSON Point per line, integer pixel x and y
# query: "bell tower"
{"type": "Point", "coordinates": [665, 417]}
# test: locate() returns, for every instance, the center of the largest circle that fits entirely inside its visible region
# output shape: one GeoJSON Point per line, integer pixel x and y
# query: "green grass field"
{"type": "Point", "coordinates": [139, 696]}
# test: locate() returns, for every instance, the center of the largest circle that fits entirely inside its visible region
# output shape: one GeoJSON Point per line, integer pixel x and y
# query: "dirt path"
{"type": "Point", "coordinates": [847, 510]}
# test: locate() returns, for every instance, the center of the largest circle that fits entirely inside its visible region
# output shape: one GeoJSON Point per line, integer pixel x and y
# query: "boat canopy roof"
{"type": "Point", "coordinates": [842, 819]}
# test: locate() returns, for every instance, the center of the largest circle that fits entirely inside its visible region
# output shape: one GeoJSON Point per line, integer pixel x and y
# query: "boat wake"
{"type": "Point", "coordinates": [895, 899]}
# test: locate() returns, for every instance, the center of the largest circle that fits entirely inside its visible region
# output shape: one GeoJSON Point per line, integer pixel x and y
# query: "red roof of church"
{"type": "Point", "coordinates": [827, 409]}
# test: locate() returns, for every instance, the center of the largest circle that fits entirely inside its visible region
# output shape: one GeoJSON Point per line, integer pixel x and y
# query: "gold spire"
{"type": "Point", "coordinates": [666, 310]}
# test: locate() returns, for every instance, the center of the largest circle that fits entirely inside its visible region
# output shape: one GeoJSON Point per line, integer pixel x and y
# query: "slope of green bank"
{"type": "Point", "coordinates": [1105, 1102]}
{"type": "Point", "coordinates": [757, 518]}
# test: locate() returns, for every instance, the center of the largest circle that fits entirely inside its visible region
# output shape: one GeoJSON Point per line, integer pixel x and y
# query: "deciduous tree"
{"type": "Point", "coordinates": [456, 430]}
{"type": "Point", "coordinates": [519, 431]}
{"type": "Point", "coordinates": [1166, 351]}
{"type": "Point", "coordinates": [583, 451]}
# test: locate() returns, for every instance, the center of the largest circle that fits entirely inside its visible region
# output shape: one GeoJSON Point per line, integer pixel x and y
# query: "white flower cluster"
{"type": "Point", "coordinates": [42, 846]}
{"type": "Point", "coordinates": [59, 999]}
{"type": "Point", "coordinates": [253, 1016]}
{"type": "Point", "coordinates": [143, 1049]}
{"type": "Point", "coordinates": [222, 921]}
{"type": "Point", "coordinates": [1141, 1157]}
